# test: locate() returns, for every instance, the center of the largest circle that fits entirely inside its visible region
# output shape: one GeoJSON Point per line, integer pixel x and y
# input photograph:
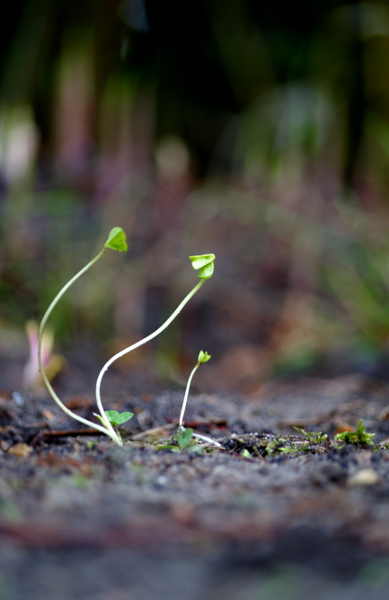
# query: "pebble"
{"type": "Point", "coordinates": [364, 477]}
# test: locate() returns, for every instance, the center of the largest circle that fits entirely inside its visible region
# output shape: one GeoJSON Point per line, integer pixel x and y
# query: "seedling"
{"type": "Point", "coordinates": [115, 418]}
{"type": "Point", "coordinates": [204, 263]}
{"type": "Point", "coordinates": [359, 436]}
{"type": "Point", "coordinates": [185, 440]}
{"type": "Point", "coordinates": [203, 357]}
{"type": "Point", "coordinates": [116, 241]}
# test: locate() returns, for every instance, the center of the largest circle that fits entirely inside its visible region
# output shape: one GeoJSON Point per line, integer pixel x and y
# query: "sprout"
{"type": "Point", "coordinates": [202, 358]}
{"type": "Point", "coordinates": [116, 241]}
{"type": "Point", "coordinates": [111, 419]}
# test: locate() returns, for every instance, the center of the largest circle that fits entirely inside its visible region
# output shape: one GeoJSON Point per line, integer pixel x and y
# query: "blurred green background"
{"type": "Point", "coordinates": [257, 131]}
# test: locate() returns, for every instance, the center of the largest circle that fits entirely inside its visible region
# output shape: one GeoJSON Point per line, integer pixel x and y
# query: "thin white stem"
{"type": "Point", "coordinates": [185, 400]}
{"type": "Point", "coordinates": [107, 430]}
{"type": "Point", "coordinates": [140, 343]}
{"type": "Point", "coordinates": [207, 439]}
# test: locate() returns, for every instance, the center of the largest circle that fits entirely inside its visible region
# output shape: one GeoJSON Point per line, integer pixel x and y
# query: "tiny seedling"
{"type": "Point", "coordinates": [116, 241]}
{"type": "Point", "coordinates": [204, 264]}
{"type": "Point", "coordinates": [203, 357]}
{"type": "Point", "coordinates": [185, 440]}
{"type": "Point", "coordinates": [115, 418]}
{"type": "Point", "coordinates": [359, 436]}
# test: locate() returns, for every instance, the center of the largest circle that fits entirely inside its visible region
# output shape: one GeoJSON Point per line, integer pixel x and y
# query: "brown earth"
{"type": "Point", "coordinates": [84, 519]}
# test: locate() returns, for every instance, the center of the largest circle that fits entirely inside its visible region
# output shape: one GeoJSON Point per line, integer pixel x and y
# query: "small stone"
{"type": "Point", "coordinates": [364, 477]}
{"type": "Point", "coordinates": [162, 480]}
{"type": "Point", "coordinates": [20, 450]}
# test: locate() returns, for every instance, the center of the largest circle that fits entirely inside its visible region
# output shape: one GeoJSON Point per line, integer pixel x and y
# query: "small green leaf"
{"type": "Point", "coordinates": [116, 240]}
{"type": "Point", "coordinates": [184, 438]}
{"type": "Point", "coordinates": [112, 415]}
{"type": "Point", "coordinates": [123, 417]}
{"type": "Point", "coordinates": [116, 418]}
{"type": "Point", "coordinates": [204, 263]}
{"type": "Point", "coordinates": [203, 357]}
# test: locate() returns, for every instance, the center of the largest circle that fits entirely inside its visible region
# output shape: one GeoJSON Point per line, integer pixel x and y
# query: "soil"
{"type": "Point", "coordinates": [271, 515]}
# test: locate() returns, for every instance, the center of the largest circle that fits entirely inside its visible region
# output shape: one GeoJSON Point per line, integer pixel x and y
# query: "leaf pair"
{"type": "Point", "coordinates": [204, 263]}
{"type": "Point", "coordinates": [115, 417]}
{"type": "Point", "coordinates": [116, 240]}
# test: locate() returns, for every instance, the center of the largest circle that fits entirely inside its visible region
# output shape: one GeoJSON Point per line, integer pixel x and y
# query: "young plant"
{"type": "Point", "coordinates": [116, 241]}
{"type": "Point", "coordinates": [204, 264]}
{"type": "Point", "coordinates": [185, 440]}
{"type": "Point", "coordinates": [115, 418]}
{"type": "Point", "coordinates": [203, 357]}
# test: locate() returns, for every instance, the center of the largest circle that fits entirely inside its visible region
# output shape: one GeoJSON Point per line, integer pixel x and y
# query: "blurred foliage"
{"type": "Point", "coordinates": [258, 131]}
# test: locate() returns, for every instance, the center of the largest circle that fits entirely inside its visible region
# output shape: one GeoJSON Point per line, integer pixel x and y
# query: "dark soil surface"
{"type": "Point", "coordinates": [271, 515]}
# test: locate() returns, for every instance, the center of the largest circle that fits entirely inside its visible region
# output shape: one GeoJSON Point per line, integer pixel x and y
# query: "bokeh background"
{"type": "Point", "coordinates": [255, 130]}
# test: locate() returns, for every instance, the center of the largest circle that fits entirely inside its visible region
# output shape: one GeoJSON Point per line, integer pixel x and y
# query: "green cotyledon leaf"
{"type": "Point", "coordinates": [203, 357]}
{"type": "Point", "coordinates": [116, 240]}
{"type": "Point", "coordinates": [204, 263]}
{"type": "Point", "coordinates": [184, 438]}
{"type": "Point", "coordinates": [116, 418]}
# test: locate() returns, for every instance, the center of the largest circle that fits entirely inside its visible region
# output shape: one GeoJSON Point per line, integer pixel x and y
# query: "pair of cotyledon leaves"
{"type": "Point", "coordinates": [203, 263]}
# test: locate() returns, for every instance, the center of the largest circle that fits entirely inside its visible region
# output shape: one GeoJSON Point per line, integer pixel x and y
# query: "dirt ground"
{"type": "Point", "coordinates": [271, 515]}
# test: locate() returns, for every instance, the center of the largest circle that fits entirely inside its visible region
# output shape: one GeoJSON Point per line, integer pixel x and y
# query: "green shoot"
{"type": "Point", "coordinates": [185, 439]}
{"type": "Point", "coordinates": [115, 418]}
{"type": "Point", "coordinates": [360, 436]}
{"type": "Point", "coordinates": [202, 358]}
{"type": "Point", "coordinates": [116, 241]}
{"type": "Point", "coordinates": [205, 264]}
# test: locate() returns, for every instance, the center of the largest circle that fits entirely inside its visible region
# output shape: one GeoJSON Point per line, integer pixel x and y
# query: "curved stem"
{"type": "Point", "coordinates": [204, 438]}
{"type": "Point", "coordinates": [107, 430]}
{"type": "Point", "coordinates": [185, 400]}
{"type": "Point", "coordinates": [140, 343]}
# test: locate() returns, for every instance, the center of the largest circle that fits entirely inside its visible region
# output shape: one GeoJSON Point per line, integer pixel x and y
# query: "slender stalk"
{"type": "Point", "coordinates": [185, 400]}
{"type": "Point", "coordinates": [140, 343]}
{"type": "Point", "coordinates": [108, 430]}
{"type": "Point", "coordinates": [204, 438]}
